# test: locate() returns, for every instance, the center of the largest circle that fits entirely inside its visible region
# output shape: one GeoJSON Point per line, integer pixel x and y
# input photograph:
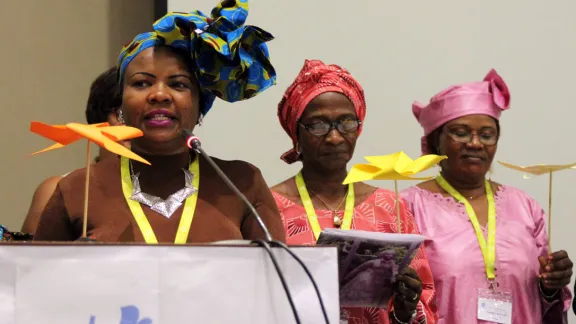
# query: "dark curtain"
{"type": "Point", "coordinates": [160, 8]}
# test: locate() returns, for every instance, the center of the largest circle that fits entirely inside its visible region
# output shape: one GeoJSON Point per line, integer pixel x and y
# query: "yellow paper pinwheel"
{"type": "Point", "coordinates": [397, 166]}
{"type": "Point", "coordinates": [537, 170]}
{"type": "Point", "coordinates": [102, 134]}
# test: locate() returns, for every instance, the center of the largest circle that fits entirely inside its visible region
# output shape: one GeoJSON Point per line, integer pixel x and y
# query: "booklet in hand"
{"type": "Point", "coordinates": [369, 262]}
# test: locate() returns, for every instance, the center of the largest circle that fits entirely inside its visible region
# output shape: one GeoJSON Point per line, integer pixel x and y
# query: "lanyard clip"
{"type": "Point", "coordinates": [492, 284]}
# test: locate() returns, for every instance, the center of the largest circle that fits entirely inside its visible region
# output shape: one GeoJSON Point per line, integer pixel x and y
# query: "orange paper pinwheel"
{"type": "Point", "coordinates": [102, 134]}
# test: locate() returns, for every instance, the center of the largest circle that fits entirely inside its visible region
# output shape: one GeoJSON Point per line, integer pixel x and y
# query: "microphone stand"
{"type": "Point", "coordinates": [197, 147]}
{"type": "Point", "coordinates": [193, 143]}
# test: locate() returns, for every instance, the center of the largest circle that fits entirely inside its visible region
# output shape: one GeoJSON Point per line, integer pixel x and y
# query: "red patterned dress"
{"type": "Point", "coordinates": [376, 213]}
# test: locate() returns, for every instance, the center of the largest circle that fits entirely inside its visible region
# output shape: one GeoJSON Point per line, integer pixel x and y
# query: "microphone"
{"type": "Point", "coordinates": [193, 143]}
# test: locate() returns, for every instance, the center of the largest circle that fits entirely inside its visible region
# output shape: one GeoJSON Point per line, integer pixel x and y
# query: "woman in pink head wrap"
{"type": "Point", "coordinates": [461, 211]}
{"type": "Point", "coordinates": [322, 112]}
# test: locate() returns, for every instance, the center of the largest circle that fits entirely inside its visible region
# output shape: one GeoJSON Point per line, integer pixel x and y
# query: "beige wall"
{"type": "Point", "coordinates": [51, 52]}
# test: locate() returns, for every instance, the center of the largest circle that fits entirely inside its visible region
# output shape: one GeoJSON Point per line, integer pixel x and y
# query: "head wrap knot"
{"type": "Point", "coordinates": [488, 97]}
{"type": "Point", "coordinates": [231, 60]}
{"type": "Point", "coordinates": [314, 79]}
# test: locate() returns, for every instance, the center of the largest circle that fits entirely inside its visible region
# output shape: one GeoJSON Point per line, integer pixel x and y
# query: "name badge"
{"type": "Point", "coordinates": [494, 306]}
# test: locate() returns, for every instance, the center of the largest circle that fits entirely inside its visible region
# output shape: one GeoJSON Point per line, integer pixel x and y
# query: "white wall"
{"type": "Point", "coordinates": [51, 53]}
{"type": "Point", "coordinates": [408, 50]}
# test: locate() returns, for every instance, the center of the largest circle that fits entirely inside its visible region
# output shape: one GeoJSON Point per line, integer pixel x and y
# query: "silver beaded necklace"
{"type": "Point", "coordinates": [168, 206]}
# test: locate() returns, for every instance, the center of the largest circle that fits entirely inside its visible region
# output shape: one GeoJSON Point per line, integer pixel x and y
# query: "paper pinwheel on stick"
{"type": "Point", "coordinates": [397, 166]}
{"type": "Point", "coordinates": [539, 170]}
{"type": "Point", "coordinates": [102, 134]}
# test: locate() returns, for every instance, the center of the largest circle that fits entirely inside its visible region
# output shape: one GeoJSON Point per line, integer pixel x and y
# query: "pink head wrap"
{"type": "Point", "coordinates": [488, 97]}
{"type": "Point", "coordinates": [314, 79]}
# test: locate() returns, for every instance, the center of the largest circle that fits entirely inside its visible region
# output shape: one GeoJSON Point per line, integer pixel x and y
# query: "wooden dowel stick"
{"type": "Point", "coordinates": [550, 213]}
{"type": "Point", "coordinates": [86, 188]}
{"type": "Point", "coordinates": [398, 220]}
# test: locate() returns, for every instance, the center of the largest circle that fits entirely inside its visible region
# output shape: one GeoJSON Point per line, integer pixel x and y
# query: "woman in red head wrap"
{"type": "Point", "coordinates": [322, 112]}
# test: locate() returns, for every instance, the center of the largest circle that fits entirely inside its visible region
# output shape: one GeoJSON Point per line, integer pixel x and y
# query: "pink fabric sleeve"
{"type": "Point", "coordinates": [555, 311]}
{"type": "Point", "coordinates": [426, 311]}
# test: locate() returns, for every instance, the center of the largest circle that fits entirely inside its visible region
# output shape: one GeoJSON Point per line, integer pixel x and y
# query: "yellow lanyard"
{"type": "Point", "coordinates": [142, 221]}
{"type": "Point", "coordinates": [311, 213]}
{"type": "Point", "coordinates": [488, 248]}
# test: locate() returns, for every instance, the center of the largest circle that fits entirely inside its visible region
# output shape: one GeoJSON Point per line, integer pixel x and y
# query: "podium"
{"type": "Point", "coordinates": [162, 284]}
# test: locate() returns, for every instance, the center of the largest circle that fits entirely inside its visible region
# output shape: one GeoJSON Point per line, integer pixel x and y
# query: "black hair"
{"type": "Point", "coordinates": [433, 139]}
{"type": "Point", "coordinates": [105, 97]}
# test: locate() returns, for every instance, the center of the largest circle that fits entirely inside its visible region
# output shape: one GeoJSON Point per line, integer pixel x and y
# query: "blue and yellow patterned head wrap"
{"type": "Point", "coordinates": [232, 60]}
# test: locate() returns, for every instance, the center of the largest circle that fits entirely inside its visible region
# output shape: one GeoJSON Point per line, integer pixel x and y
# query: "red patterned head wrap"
{"type": "Point", "coordinates": [314, 79]}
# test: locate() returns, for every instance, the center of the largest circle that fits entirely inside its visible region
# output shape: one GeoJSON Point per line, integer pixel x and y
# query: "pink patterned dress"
{"type": "Point", "coordinates": [458, 265]}
{"type": "Point", "coordinates": [377, 213]}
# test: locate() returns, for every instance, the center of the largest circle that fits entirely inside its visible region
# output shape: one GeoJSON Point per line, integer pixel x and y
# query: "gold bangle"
{"type": "Point", "coordinates": [547, 297]}
{"type": "Point", "coordinates": [401, 322]}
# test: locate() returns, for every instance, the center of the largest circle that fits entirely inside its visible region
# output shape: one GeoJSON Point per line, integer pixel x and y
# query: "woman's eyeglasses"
{"type": "Point", "coordinates": [487, 138]}
{"type": "Point", "coordinates": [344, 126]}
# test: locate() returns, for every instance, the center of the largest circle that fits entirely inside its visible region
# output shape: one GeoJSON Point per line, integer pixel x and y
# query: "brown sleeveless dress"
{"type": "Point", "coordinates": [219, 214]}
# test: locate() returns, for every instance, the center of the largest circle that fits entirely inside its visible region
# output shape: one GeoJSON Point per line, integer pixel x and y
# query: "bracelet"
{"type": "Point", "coordinates": [401, 322]}
{"type": "Point", "coordinates": [547, 297]}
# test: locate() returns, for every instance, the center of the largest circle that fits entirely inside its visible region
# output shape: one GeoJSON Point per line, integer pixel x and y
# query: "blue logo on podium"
{"type": "Point", "coordinates": [129, 315]}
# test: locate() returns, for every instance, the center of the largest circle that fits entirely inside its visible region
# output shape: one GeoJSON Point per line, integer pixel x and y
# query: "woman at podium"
{"type": "Point", "coordinates": [169, 80]}
{"type": "Point", "coordinates": [488, 250]}
{"type": "Point", "coordinates": [322, 112]}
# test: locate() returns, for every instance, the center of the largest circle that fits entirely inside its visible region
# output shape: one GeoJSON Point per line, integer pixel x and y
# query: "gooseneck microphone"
{"type": "Point", "coordinates": [193, 142]}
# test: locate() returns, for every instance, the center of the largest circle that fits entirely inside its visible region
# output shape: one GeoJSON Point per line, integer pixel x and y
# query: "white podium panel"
{"type": "Point", "coordinates": [139, 284]}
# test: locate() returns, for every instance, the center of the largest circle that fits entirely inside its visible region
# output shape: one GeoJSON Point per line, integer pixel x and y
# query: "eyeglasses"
{"type": "Point", "coordinates": [344, 126]}
{"type": "Point", "coordinates": [485, 137]}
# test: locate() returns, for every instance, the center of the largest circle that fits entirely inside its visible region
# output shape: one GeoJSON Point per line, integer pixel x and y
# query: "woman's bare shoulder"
{"type": "Point", "coordinates": [41, 196]}
{"type": "Point", "coordinates": [286, 188]}
{"type": "Point", "coordinates": [45, 189]}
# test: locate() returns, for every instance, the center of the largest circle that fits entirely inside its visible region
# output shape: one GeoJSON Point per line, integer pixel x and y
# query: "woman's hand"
{"type": "Point", "coordinates": [407, 296]}
{"type": "Point", "coordinates": [555, 270]}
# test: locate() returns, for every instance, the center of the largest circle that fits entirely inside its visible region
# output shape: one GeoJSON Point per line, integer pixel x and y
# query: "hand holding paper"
{"type": "Point", "coordinates": [408, 291]}
{"type": "Point", "coordinates": [369, 266]}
